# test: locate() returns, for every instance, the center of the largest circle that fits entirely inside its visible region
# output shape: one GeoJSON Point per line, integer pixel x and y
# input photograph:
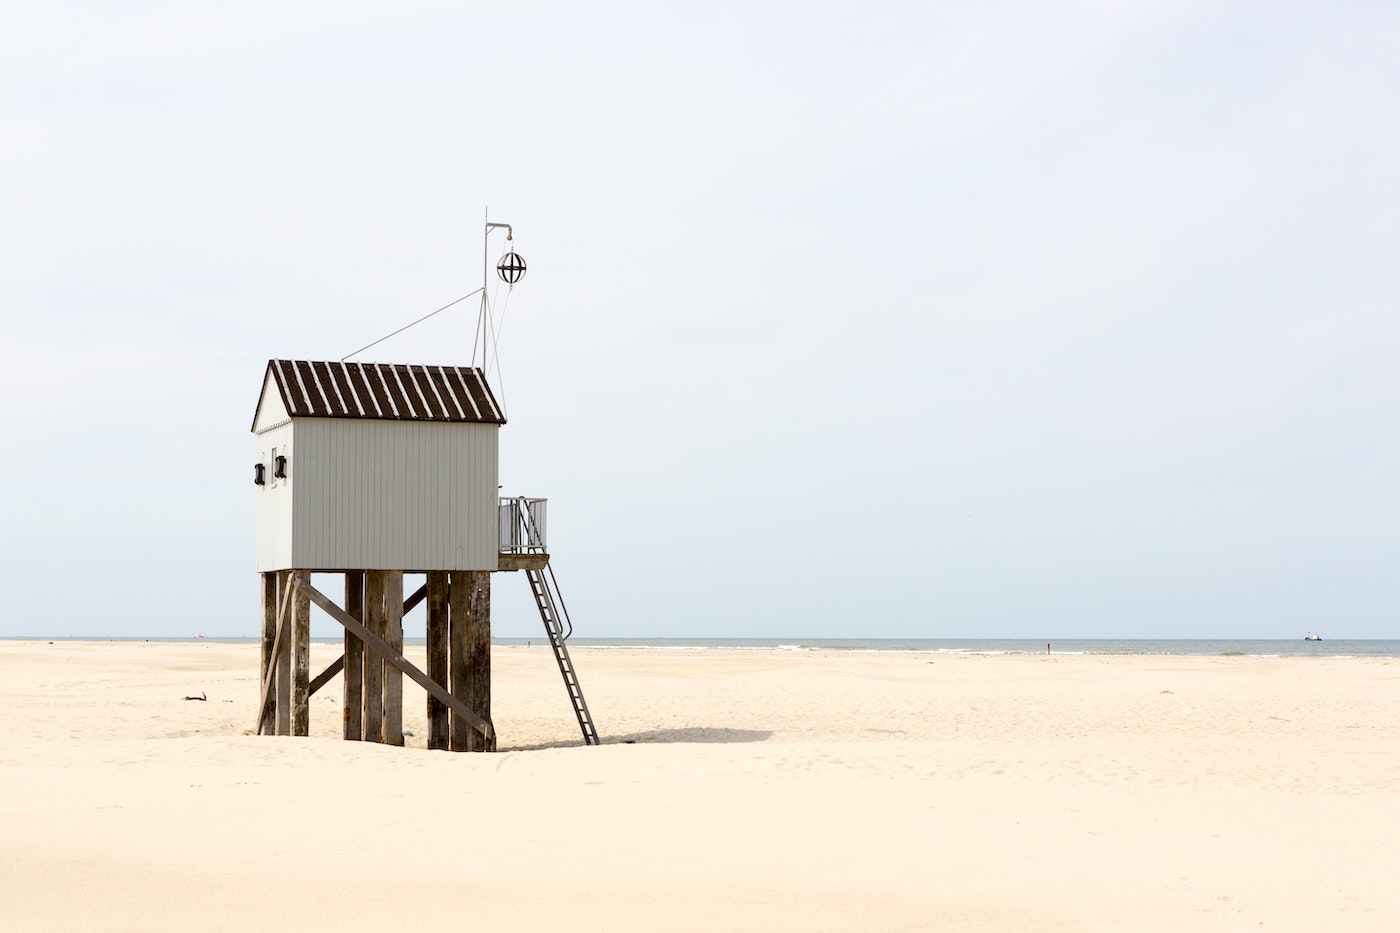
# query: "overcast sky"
{"type": "Point", "coordinates": [903, 319]}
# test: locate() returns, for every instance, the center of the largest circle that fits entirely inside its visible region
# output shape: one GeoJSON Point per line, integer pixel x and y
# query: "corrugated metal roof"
{"type": "Point", "coordinates": [386, 391]}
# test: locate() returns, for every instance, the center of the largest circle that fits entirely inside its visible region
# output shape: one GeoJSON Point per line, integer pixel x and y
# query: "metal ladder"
{"type": "Point", "coordinates": [552, 611]}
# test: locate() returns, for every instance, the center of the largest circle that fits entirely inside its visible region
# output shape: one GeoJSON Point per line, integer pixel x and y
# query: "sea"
{"type": "Point", "coordinates": [1375, 648]}
{"type": "Point", "coordinates": [1252, 647]}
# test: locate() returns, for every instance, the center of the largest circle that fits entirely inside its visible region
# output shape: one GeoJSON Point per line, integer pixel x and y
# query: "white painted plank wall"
{"type": "Point", "coordinates": [274, 502]}
{"type": "Point", "coordinates": [394, 495]}
{"type": "Point", "coordinates": [270, 408]}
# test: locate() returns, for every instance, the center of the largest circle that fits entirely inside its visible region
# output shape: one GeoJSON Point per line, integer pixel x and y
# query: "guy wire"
{"type": "Point", "coordinates": [407, 326]}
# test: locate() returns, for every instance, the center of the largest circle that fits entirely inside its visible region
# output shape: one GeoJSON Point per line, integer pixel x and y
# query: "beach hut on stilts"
{"type": "Point", "coordinates": [375, 471]}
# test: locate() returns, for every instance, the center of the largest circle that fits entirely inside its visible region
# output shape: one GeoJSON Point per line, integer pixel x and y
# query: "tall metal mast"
{"type": "Point", "coordinates": [482, 337]}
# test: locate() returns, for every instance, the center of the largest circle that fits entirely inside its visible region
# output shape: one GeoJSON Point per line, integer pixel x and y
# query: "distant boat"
{"type": "Point", "coordinates": [1311, 637]}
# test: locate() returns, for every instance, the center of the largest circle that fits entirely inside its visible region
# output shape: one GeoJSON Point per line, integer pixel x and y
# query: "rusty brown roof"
{"type": "Point", "coordinates": [384, 391]}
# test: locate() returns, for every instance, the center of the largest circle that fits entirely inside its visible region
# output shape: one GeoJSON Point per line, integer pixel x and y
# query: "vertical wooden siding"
{"type": "Point", "coordinates": [394, 495]}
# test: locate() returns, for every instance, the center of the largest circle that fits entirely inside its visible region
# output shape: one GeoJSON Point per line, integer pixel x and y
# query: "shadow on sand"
{"type": "Point", "coordinates": [695, 735]}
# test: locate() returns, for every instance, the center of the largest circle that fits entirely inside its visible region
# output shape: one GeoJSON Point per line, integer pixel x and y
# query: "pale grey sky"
{"type": "Point", "coordinates": [942, 319]}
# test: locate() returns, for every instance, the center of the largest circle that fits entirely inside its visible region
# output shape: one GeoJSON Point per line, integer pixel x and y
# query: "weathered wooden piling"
{"type": "Point", "coordinates": [374, 661]}
{"type": "Point", "coordinates": [393, 677]}
{"type": "Point", "coordinates": [439, 722]}
{"type": "Point", "coordinates": [353, 660]}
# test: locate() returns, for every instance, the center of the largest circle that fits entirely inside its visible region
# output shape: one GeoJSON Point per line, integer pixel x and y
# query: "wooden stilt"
{"type": "Point", "coordinates": [269, 640]}
{"type": "Point", "coordinates": [478, 657]}
{"type": "Point", "coordinates": [301, 655]}
{"type": "Point", "coordinates": [439, 726]}
{"type": "Point", "coordinates": [270, 676]}
{"type": "Point", "coordinates": [374, 662]}
{"type": "Point", "coordinates": [459, 595]}
{"type": "Point", "coordinates": [353, 685]}
{"type": "Point", "coordinates": [283, 663]}
{"type": "Point", "coordinates": [393, 679]}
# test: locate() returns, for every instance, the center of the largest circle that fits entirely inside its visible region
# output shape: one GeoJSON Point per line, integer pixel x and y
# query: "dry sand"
{"type": "Point", "coordinates": [737, 790]}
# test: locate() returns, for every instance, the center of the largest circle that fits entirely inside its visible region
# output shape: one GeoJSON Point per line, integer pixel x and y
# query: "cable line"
{"type": "Point", "coordinates": [407, 326]}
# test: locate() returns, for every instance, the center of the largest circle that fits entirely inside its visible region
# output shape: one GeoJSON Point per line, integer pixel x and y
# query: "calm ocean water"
{"type": "Point", "coordinates": [1387, 648]}
{"type": "Point", "coordinates": [1295, 647]}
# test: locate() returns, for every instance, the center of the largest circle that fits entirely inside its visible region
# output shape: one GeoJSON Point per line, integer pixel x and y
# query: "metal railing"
{"type": "Point", "coordinates": [522, 524]}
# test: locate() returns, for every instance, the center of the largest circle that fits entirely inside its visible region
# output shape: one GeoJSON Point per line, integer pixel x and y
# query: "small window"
{"type": "Point", "coordinates": [279, 467]}
{"type": "Point", "coordinates": [259, 475]}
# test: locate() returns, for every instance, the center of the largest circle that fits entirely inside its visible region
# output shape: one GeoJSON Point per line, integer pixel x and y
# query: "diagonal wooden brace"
{"type": "Point", "coordinates": [338, 665]}
{"type": "Point", "coordinates": [397, 661]}
{"type": "Point", "coordinates": [323, 678]}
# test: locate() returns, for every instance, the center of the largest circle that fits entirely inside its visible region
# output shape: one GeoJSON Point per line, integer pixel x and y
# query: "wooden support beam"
{"type": "Point", "coordinates": [266, 722]}
{"type": "Point", "coordinates": [469, 596]}
{"type": "Point", "coordinates": [439, 726]}
{"type": "Point", "coordinates": [326, 676]}
{"type": "Point", "coordinates": [301, 655]}
{"type": "Point", "coordinates": [374, 661]}
{"type": "Point", "coordinates": [378, 645]}
{"type": "Point", "coordinates": [270, 674]}
{"type": "Point", "coordinates": [268, 584]}
{"type": "Point", "coordinates": [418, 596]}
{"type": "Point", "coordinates": [353, 687]}
{"type": "Point", "coordinates": [459, 595]}
{"type": "Point", "coordinates": [286, 582]}
{"type": "Point", "coordinates": [479, 658]}
{"type": "Point", "coordinates": [393, 678]}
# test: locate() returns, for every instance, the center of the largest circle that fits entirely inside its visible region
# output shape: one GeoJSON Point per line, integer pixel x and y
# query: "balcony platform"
{"type": "Point", "coordinates": [529, 561]}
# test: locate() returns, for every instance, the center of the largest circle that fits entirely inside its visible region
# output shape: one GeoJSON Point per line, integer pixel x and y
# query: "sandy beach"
{"type": "Point", "coordinates": [736, 790]}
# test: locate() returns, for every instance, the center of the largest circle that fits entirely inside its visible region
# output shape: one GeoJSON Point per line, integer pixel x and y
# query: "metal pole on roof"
{"type": "Point", "coordinates": [478, 337]}
{"type": "Point", "coordinates": [482, 337]}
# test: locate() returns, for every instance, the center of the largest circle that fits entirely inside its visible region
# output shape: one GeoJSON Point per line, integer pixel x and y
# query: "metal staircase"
{"type": "Point", "coordinates": [522, 533]}
{"type": "Point", "coordinates": [556, 617]}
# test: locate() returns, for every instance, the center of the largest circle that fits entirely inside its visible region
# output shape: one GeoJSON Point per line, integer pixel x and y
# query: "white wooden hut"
{"type": "Point", "coordinates": [375, 470]}
{"type": "Point", "coordinates": [373, 465]}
